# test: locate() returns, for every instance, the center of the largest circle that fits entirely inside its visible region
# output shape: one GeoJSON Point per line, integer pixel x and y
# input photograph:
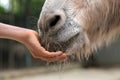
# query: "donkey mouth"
{"type": "Point", "coordinates": [53, 45]}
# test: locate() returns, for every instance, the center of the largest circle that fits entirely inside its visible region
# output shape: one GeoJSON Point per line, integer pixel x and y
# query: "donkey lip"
{"type": "Point", "coordinates": [68, 44]}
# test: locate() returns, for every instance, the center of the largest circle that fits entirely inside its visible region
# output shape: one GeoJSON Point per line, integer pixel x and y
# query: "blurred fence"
{"type": "Point", "coordinates": [14, 55]}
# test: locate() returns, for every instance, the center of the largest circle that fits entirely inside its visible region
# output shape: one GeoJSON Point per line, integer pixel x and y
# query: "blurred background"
{"type": "Point", "coordinates": [23, 13]}
{"type": "Point", "coordinates": [15, 57]}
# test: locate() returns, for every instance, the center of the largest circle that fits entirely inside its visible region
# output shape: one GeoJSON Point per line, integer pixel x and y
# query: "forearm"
{"type": "Point", "coordinates": [13, 32]}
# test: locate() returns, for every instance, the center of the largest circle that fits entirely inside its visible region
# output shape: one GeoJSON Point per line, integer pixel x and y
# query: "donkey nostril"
{"type": "Point", "coordinates": [54, 21]}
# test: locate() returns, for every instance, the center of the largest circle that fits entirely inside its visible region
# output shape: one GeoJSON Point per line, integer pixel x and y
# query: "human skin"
{"type": "Point", "coordinates": [30, 39]}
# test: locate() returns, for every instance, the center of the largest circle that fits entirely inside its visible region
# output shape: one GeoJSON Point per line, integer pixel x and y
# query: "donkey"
{"type": "Point", "coordinates": [78, 27]}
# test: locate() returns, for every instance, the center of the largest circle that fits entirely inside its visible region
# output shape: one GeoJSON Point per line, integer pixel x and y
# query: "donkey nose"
{"type": "Point", "coordinates": [52, 19]}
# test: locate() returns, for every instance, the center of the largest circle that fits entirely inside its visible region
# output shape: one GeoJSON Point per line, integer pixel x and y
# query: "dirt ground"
{"type": "Point", "coordinates": [78, 74]}
{"type": "Point", "coordinates": [73, 73]}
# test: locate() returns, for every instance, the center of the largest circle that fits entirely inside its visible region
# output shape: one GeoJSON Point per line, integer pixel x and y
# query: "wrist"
{"type": "Point", "coordinates": [28, 36]}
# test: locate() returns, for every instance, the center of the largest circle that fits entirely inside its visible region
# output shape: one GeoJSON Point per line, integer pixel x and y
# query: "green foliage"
{"type": "Point", "coordinates": [2, 10]}
{"type": "Point", "coordinates": [15, 7]}
{"type": "Point", "coordinates": [22, 11]}
{"type": "Point", "coordinates": [36, 6]}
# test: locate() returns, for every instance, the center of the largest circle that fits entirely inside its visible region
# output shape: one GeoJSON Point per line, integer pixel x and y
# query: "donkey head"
{"type": "Point", "coordinates": [78, 26]}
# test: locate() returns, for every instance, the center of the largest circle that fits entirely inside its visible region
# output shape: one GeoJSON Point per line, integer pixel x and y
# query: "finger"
{"type": "Point", "coordinates": [38, 55]}
{"type": "Point", "coordinates": [53, 59]}
{"type": "Point", "coordinates": [50, 59]}
{"type": "Point", "coordinates": [63, 57]}
{"type": "Point", "coordinates": [51, 54]}
{"type": "Point", "coordinates": [43, 52]}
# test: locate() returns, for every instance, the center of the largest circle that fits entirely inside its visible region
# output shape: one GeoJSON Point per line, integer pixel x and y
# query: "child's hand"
{"type": "Point", "coordinates": [30, 39]}
{"type": "Point", "coordinates": [32, 43]}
